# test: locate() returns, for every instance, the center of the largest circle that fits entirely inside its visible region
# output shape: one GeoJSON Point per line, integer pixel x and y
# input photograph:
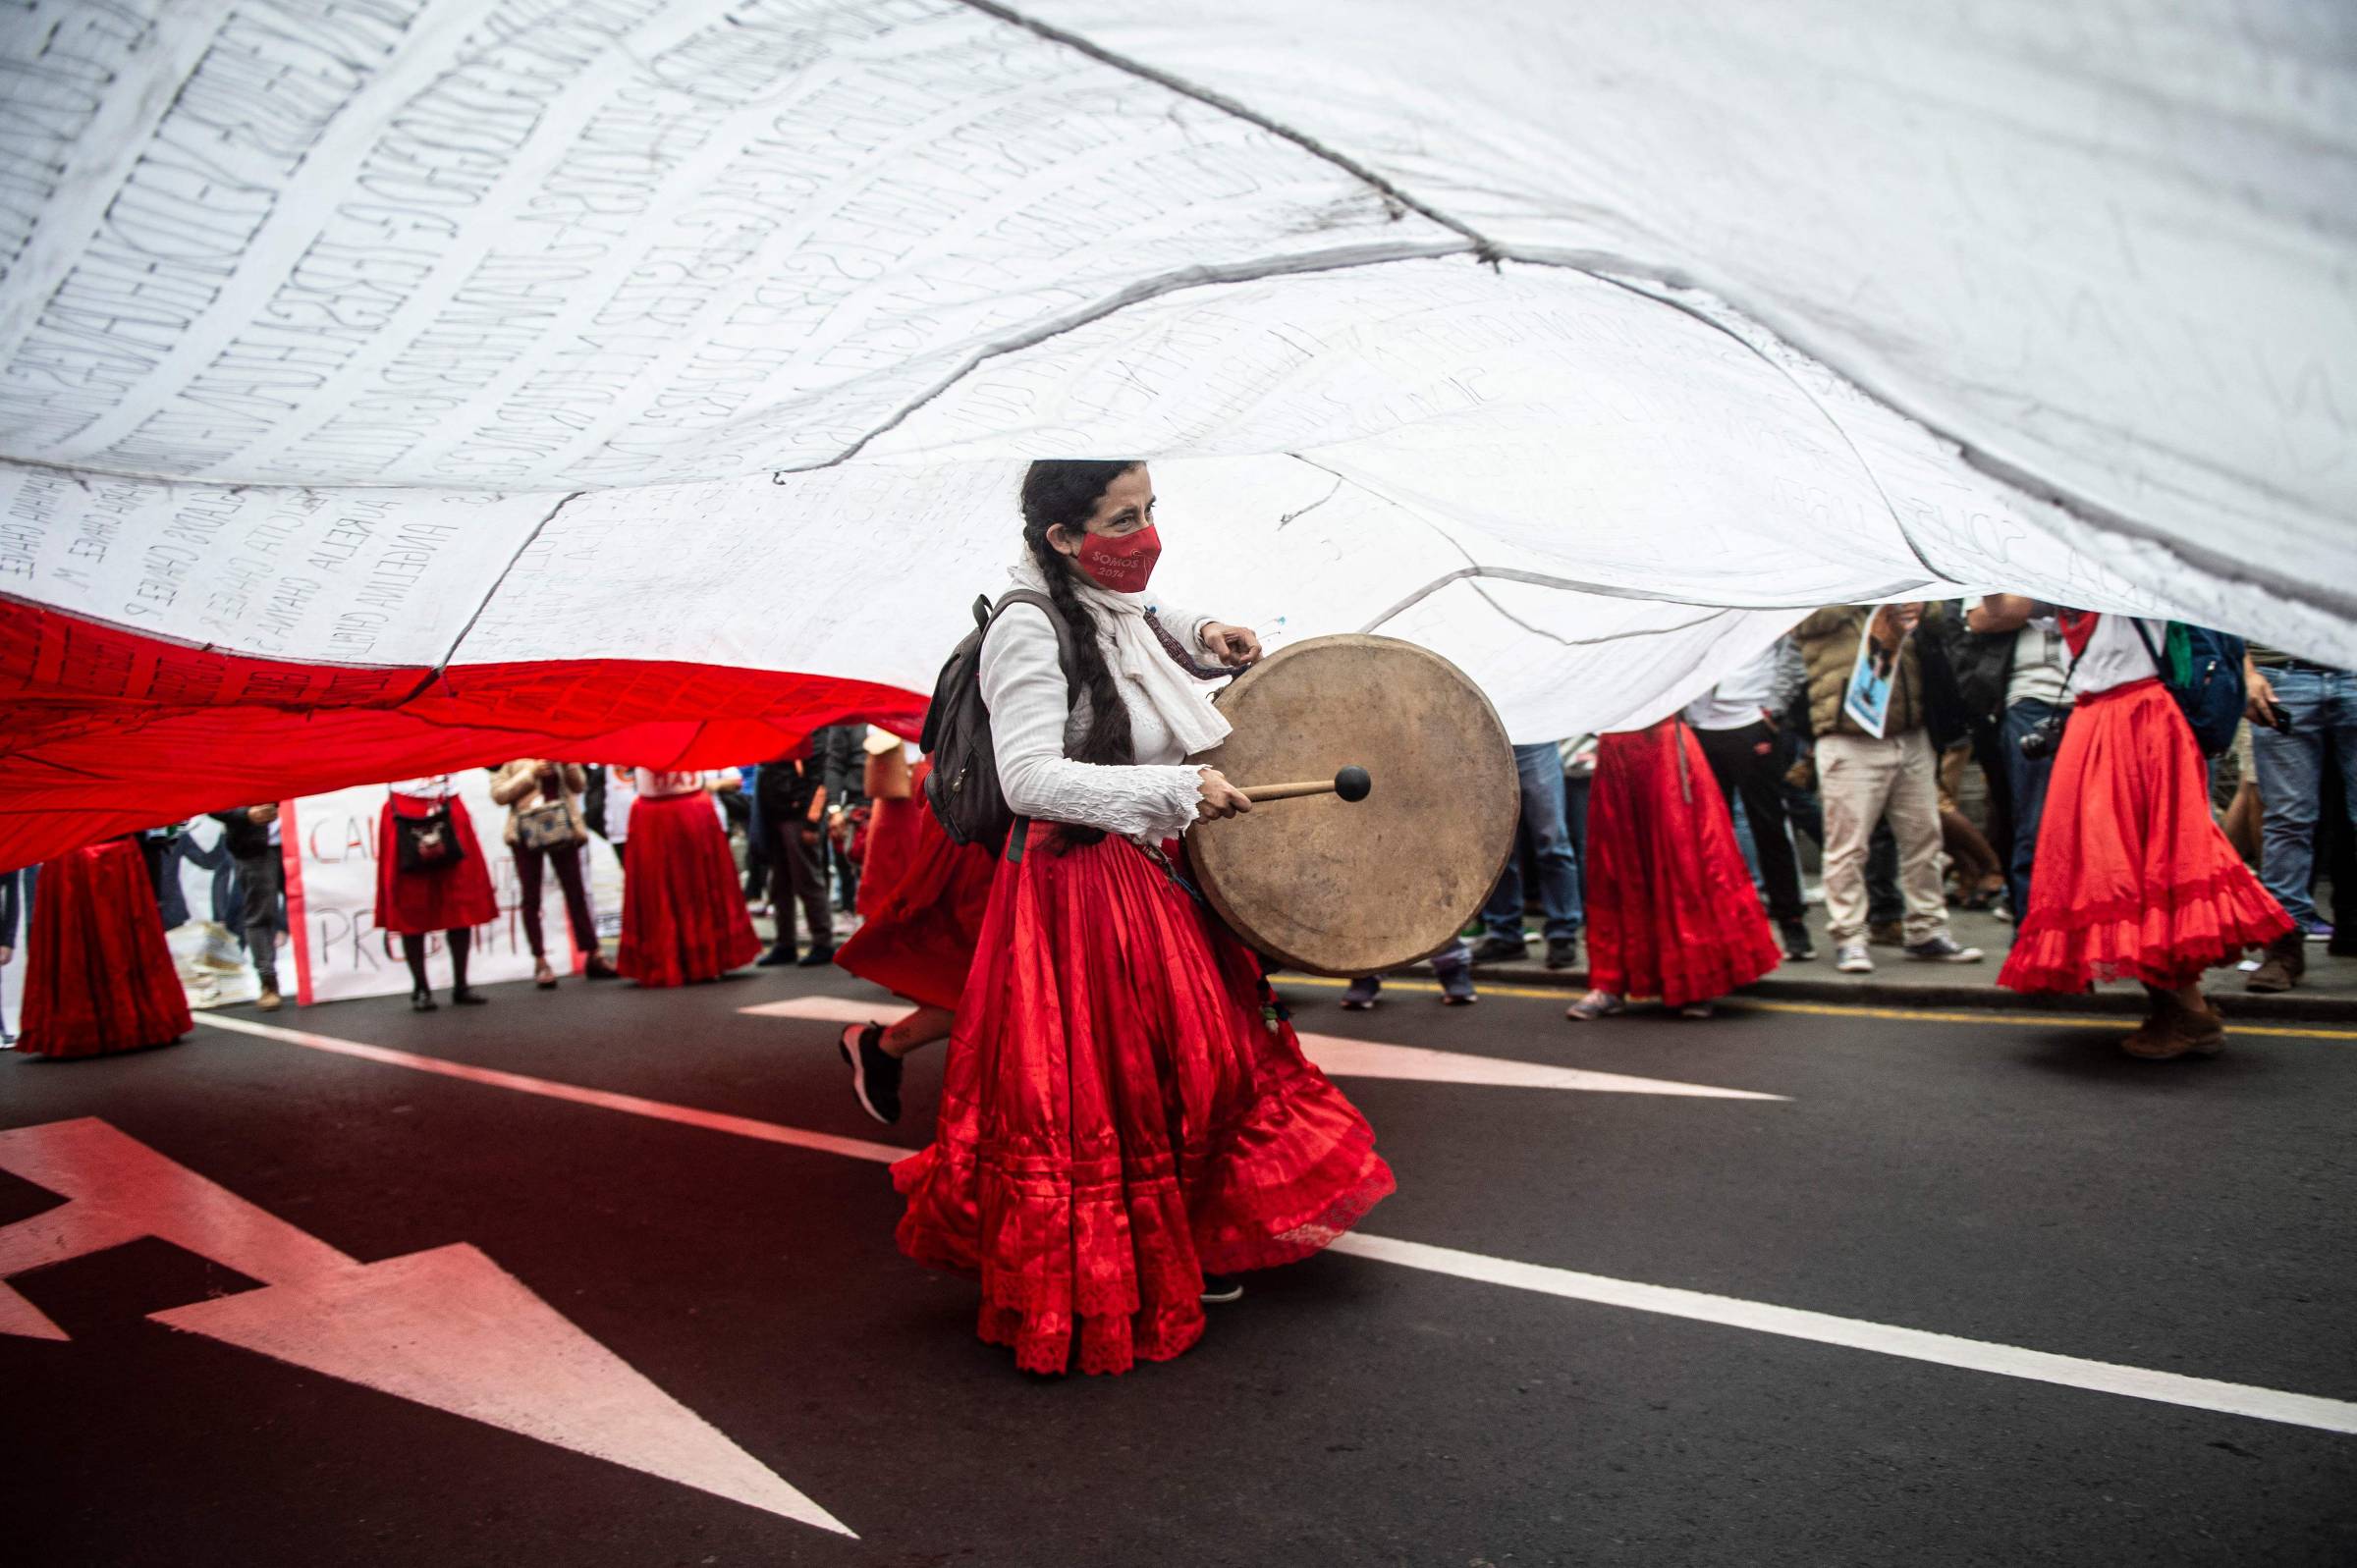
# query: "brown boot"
{"type": "Point", "coordinates": [2286, 962]}
{"type": "Point", "coordinates": [2174, 1030]}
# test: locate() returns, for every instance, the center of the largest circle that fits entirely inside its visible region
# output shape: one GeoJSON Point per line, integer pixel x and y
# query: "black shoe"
{"type": "Point", "coordinates": [423, 1002]}
{"type": "Point", "coordinates": [1797, 946]}
{"type": "Point", "coordinates": [1563, 953]}
{"type": "Point", "coordinates": [1220, 1289]}
{"type": "Point", "coordinates": [1499, 950]}
{"type": "Point", "coordinates": [466, 996]}
{"type": "Point", "coordinates": [875, 1071]}
{"type": "Point", "coordinates": [778, 958]}
{"type": "Point", "coordinates": [816, 957]}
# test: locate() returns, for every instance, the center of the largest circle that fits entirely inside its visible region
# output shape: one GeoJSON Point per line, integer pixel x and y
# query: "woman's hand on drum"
{"type": "Point", "coordinates": [1220, 798]}
{"type": "Point", "coordinates": [1234, 646]}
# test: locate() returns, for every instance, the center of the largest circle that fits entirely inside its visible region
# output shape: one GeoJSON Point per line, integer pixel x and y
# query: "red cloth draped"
{"type": "Point", "coordinates": [1118, 1116]}
{"type": "Point", "coordinates": [99, 975]}
{"type": "Point", "coordinates": [683, 910]}
{"type": "Point", "coordinates": [1672, 912]}
{"type": "Point", "coordinates": [453, 897]}
{"type": "Point", "coordinates": [110, 730]}
{"type": "Point", "coordinates": [895, 831]}
{"type": "Point", "coordinates": [919, 941]}
{"type": "Point", "coordinates": [2133, 878]}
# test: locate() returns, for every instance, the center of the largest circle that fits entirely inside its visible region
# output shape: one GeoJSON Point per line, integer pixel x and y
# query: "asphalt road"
{"type": "Point", "coordinates": [2005, 1180]}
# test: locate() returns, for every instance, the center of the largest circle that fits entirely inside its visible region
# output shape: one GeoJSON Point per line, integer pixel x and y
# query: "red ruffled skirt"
{"type": "Point", "coordinates": [683, 910]}
{"type": "Point", "coordinates": [454, 898]}
{"type": "Point", "coordinates": [1672, 912]}
{"type": "Point", "coordinates": [919, 940]}
{"type": "Point", "coordinates": [889, 847]}
{"type": "Point", "coordinates": [2133, 878]}
{"type": "Point", "coordinates": [1119, 1115]}
{"type": "Point", "coordinates": [99, 975]}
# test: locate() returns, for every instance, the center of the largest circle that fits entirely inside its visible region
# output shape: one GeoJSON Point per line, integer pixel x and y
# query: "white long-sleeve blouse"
{"type": "Point", "coordinates": [1032, 732]}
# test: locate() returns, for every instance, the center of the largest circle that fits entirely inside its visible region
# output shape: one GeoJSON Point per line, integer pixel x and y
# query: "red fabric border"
{"type": "Point", "coordinates": [109, 730]}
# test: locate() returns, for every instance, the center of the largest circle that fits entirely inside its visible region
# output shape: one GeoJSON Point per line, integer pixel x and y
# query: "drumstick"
{"type": "Point", "coordinates": [1352, 783]}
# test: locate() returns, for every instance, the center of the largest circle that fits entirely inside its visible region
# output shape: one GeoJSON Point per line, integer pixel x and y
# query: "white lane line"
{"type": "Point", "coordinates": [1793, 1323]}
{"type": "Point", "coordinates": [550, 1089]}
{"type": "Point", "coordinates": [1856, 1333]}
{"type": "Point", "coordinates": [1367, 1058]}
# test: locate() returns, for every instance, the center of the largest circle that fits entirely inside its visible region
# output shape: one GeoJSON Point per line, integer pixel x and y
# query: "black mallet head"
{"type": "Point", "coordinates": [1353, 784]}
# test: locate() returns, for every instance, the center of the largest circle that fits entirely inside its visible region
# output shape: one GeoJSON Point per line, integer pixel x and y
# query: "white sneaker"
{"type": "Point", "coordinates": [1852, 958]}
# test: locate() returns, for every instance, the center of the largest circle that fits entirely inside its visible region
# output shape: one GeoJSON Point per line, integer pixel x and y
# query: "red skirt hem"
{"type": "Point", "coordinates": [2133, 879]}
{"type": "Point", "coordinates": [415, 903]}
{"type": "Point", "coordinates": [1118, 1116]}
{"type": "Point", "coordinates": [99, 976]}
{"type": "Point", "coordinates": [683, 913]}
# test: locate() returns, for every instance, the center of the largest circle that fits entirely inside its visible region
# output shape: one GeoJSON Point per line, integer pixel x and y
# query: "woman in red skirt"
{"type": "Point", "coordinates": [2133, 877]}
{"type": "Point", "coordinates": [99, 974]}
{"type": "Point", "coordinates": [1124, 1108]}
{"type": "Point", "coordinates": [922, 897]}
{"type": "Point", "coordinates": [431, 875]}
{"type": "Point", "coordinates": [683, 913]}
{"type": "Point", "coordinates": [1672, 912]}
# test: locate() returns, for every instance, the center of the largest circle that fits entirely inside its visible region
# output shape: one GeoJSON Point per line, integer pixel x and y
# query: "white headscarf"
{"type": "Point", "coordinates": [1139, 659]}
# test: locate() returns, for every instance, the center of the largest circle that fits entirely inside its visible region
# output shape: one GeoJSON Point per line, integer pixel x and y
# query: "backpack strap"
{"type": "Point", "coordinates": [2161, 663]}
{"type": "Point", "coordinates": [986, 614]}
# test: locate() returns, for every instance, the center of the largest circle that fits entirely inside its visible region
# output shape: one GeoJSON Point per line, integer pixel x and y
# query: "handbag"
{"type": "Point", "coordinates": [544, 828]}
{"type": "Point", "coordinates": [426, 843]}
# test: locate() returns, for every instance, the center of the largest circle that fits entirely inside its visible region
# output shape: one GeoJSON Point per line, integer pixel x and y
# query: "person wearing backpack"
{"type": "Point", "coordinates": [1125, 1114]}
{"type": "Point", "coordinates": [2134, 879]}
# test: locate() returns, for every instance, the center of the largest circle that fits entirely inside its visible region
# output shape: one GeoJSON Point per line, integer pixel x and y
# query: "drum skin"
{"type": "Point", "coordinates": [1333, 888]}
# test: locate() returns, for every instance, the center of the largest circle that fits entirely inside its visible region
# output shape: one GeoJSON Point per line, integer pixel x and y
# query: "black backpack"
{"type": "Point", "coordinates": [963, 788]}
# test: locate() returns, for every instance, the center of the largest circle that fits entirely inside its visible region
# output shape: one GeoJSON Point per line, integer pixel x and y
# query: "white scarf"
{"type": "Point", "coordinates": [1138, 658]}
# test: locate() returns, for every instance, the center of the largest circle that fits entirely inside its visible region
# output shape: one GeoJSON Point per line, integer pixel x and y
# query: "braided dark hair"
{"type": "Point", "coordinates": [1065, 491]}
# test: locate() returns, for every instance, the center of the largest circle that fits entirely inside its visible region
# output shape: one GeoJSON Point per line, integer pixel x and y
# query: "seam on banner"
{"type": "Point", "coordinates": [452, 652]}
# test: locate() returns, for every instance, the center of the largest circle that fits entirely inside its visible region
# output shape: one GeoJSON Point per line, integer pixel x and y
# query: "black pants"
{"type": "Point", "coordinates": [1745, 762]}
{"type": "Point", "coordinates": [566, 861]}
{"type": "Point", "coordinates": [262, 892]}
{"type": "Point", "coordinates": [797, 874]}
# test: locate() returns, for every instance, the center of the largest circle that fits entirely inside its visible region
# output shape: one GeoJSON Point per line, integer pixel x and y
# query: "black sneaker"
{"type": "Point", "coordinates": [778, 956]}
{"type": "Point", "coordinates": [816, 957]}
{"type": "Point", "coordinates": [1943, 948]}
{"type": "Point", "coordinates": [1220, 1289]}
{"type": "Point", "coordinates": [1563, 953]}
{"type": "Point", "coordinates": [1797, 946]}
{"type": "Point", "coordinates": [1499, 950]}
{"type": "Point", "coordinates": [875, 1071]}
{"type": "Point", "coordinates": [467, 996]}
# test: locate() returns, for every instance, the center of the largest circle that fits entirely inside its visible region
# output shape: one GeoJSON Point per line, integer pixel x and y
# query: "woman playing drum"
{"type": "Point", "coordinates": [1122, 1109]}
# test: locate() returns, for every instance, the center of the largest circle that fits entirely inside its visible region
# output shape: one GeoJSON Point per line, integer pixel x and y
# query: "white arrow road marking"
{"type": "Point", "coordinates": [447, 1328]}
{"type": "Point", "coordinates": [1339, 1057]}
{"type": "Point", "coordinates": [1856, 1333]}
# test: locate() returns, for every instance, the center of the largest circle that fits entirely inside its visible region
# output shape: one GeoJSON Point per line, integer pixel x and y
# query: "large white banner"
{"type": "Point", "coordinates": [331, 900]}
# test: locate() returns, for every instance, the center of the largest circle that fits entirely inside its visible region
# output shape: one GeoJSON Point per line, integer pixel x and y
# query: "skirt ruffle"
{"type": "Point", "coordinates": [919, 941]}
{"type": "Point", "coordinates": [1671, 911]}
{"type": "Point", "coordinates": [413, 904]}
{"type": "Point", "coordinates": [2133, 878]}
{"type": "Point", "coordinates": [1120, 1116]}
{"type": "Point", "coordinates": [683, 913]}
{"type": "Point", "coordinates": [99, 976]}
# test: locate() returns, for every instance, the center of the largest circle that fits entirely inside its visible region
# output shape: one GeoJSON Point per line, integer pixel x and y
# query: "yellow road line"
{"type": "Point", "coordinates": [1848, 1009]}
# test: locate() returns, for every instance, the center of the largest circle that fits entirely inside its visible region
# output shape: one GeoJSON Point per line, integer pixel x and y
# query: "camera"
{"type": "Point", "coordinates": [2042, 741]}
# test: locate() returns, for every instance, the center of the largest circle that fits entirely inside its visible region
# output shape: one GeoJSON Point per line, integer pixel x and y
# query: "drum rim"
{"type": "Point", "coordinates": [1504, 748]}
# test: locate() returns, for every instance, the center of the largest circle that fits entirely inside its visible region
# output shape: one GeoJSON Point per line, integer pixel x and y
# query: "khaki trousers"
{"type": "Point", "coordinates": [1862, 779]}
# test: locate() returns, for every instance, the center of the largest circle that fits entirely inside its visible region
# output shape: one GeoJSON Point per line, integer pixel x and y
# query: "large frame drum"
{"type": "Point", "coordinates": [1340, 888]}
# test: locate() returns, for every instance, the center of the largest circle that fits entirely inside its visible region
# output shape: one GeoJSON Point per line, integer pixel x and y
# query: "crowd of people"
{"type": "Point", "coordinates": [1126, 1117]}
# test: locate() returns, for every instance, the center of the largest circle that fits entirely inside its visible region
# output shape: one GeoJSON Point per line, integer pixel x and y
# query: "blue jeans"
{"type": "Point", "coordinates": [2323, 708]}
{"type": "Point", "coordinates": [2028, 776]}
{"type": "Point", "coordinates": [1545, 827]}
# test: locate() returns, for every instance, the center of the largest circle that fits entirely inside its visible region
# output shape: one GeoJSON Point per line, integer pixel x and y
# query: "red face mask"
{"type": "Point", "coordinates": [1124, 563]}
